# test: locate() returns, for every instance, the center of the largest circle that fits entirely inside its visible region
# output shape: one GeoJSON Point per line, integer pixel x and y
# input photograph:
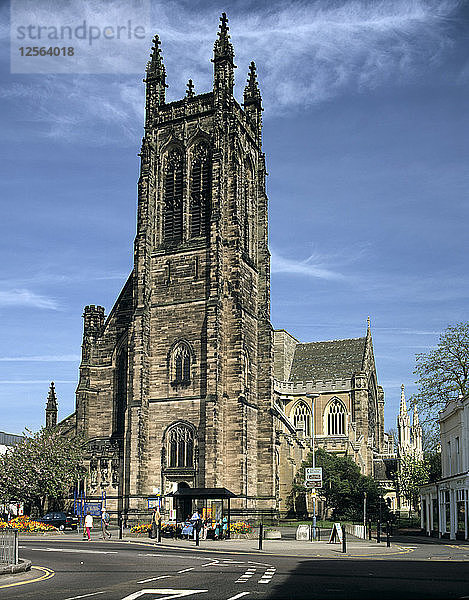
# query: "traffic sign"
{"type": "Point", "coordinates": [313, 475]}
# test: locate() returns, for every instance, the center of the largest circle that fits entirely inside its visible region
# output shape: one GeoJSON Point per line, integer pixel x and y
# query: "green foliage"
{"type": "Point", "coordinates": [433, 461]}
{"type": "Point", "coordinates": [343, 487]}
{"type": "Point", "coordinates": [44, 465]}
{"type": "Point", "coordinates": [413, 472]}
{"type": "Point", "coordinates": [443, 373]}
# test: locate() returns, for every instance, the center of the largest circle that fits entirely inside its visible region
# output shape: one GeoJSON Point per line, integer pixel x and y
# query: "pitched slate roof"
{"type": "Point", "coordinates": [333, 359]}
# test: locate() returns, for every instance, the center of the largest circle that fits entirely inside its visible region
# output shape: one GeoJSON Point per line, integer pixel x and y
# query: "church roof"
{"type": "Point", "coordinates": [334, 359]}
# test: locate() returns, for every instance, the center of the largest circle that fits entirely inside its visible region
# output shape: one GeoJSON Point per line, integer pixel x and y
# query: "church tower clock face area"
{"type": "Point", "coordinates": [176, 383]}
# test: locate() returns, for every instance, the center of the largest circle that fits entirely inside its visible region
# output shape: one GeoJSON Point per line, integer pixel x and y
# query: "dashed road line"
{"type": "Point", "coordinates": [154, 578]}
{"type": "Point", "coordinates": [185, 570]}
{"type": "Point", "coordinates": [267, 577]}
{"type": "Point", "coordinates": [85, 596]}
{"type": "Point", "coordinates": [239, 595]}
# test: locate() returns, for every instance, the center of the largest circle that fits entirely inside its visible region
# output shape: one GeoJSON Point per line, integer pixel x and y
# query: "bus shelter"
{"type": "Point", "coordinates": [185, 496]}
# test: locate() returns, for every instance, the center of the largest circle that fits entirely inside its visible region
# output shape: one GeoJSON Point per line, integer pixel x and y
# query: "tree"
{"type": "Point", "coordinates": [413, 472]}
{"type": "Point", "coordinates": [343, 487]}
{"type": "Point", "coordinates": [45, 465]}
{"type": "Point", "coordinates": [443, 373]}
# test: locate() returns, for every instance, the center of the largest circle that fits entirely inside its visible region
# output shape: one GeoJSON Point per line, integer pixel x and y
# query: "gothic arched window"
{"type": "Point", "coordinates": [173, 197]}
{"type": "Point", "coordinates": [336, 417]}
{"type": "Point", "coordinates": [200, 191]}
{"type": "Point", "coordinates": [180, 446]}
{"type": "Point", "coordinates": [181, 364]}
{"type": "Point", "coordinates": [302, 418]}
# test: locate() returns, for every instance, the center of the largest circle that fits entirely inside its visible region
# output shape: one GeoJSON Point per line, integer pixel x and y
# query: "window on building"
{"type": "Point", "coordinates": [173, 197]}
{"type": "Point", "coordinates": [336, 418]}
{"type": "Point", "coordinates": [200, 191]}
{"type": "Point", "coordinates": [180, 446]}
{"type": "Point", "coordinates": [181, 364]}
{"type": "Point", "coordinates": [302, 418]}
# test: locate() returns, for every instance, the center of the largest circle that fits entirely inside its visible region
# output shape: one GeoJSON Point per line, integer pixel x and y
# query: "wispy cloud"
{"type": "Point", "coordinates": [26, 298]}
{"type": "Point", "coordinates": [306, 54]}
{"type": "Point", "coordinates": [44, 358]}
{"type": "Point", "coordinates": [310, 267]}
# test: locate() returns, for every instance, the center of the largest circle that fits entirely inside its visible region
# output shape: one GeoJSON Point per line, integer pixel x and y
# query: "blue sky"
{"type": "Point", "coordinates": [366, 133]}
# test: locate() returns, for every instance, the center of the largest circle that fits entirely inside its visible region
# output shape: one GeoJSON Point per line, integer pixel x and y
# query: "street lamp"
{"type": "Point", "coordinates": [313, 397]}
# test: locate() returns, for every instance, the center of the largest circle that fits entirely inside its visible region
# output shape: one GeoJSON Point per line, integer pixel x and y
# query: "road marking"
{"type": "Point", "coordinates": [267, 577]}
{"type": "Point", "coordinates": [72, 550]}
{"type": "Point", "coordinates": [210, 564]}
{"type": "Point", "coordinates": [185, 570]}
{"type": "Point", "coordinates": [154, 578]}
{"type": "Point", "coordinates": [239, 595]}
{"type": "Point", "coordinates": [85, 596]}
{"type": "Point", "coordinates": [48, 573]}
{"type": "Point", "coordinates": [247, 575]}
{"type": "Point", "coordinates": [173, 593]}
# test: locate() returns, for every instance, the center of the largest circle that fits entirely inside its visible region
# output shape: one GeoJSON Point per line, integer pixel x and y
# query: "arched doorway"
{"type": "Point", "coordinates": [183, 505]}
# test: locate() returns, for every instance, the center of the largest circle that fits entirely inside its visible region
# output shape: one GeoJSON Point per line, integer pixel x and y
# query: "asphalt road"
{"type": "Point", "coordinates": [127, 571]}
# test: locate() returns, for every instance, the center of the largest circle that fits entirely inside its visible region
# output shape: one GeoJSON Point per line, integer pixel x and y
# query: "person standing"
{"type": "Point", "coordinates": [88, 525]}
{"type": "Point", "coordinates": [105, 533]}
{"type": "Point", "coordinates": [155, 519]}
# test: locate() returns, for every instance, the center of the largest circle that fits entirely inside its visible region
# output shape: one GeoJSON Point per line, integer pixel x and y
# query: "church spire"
{"type": "Point", "coordinates": [190, 89]}
{"type": "Point", "coordinates": [51, 407]}
{"type": "Point", "coordinates": [155, 80]}
{"type": "Point", "coordinates": [403, 407]}
{"type": "Point", "coordinates": [223, 55]}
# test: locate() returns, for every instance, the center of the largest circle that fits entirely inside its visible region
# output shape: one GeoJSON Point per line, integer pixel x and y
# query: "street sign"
{"type": "Point", "coordinates": [313, 477]}
{"type": "Point", "coordinates": [313, 484]}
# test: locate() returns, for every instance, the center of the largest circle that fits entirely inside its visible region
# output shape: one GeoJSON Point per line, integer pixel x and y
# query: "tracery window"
{"type": "Point", "coordinates": [336, 418]}
{"type": "Point", "coordinates": [302, 418]}
{"type": "Point", "coordinates": [200, 191]}
{"type": "Point", "coordinates": [180, 446]}
{"type": "Point", "coordinates": [173, 197]}
{"type": "Point", "coordinates": [120, 399]}
{"type": "Point", "coordinates": [181, 364]}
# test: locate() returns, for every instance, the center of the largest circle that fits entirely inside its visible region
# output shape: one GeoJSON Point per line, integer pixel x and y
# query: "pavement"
{"type": "Point", "coordinates": [416, 546]}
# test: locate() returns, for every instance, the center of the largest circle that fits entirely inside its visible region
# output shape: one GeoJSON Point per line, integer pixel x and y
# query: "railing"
{"type": "Point", "coordinates": [8, 547]}
{"type": "Point", "coordinates": [358, 531]}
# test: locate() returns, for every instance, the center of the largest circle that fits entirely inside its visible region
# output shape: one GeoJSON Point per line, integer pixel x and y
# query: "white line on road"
{"type": "Point", "coordinates": [185, 570]}
{"type": "Point", "coordinates": [173, 593]}
{"type": "Point", "coordinates": [239, 595]}
{"type": "Point", "coordinates": [84, 596]}
{"type": "Point", "coordinates": [154, 578]}
{"type": "Point", "coordinates": [72, 550]}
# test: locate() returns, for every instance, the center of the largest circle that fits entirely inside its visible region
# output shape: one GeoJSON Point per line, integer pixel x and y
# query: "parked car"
{"type": "Point", "coordinates": [60, 520]}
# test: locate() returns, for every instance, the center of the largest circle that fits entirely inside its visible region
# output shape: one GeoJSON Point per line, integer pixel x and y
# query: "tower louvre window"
{"type": "Point", "coordinates": [336, 418]}
{"type": "Point", "coordinates": [173, 198]}
{"type": "Point", "coordinates": [181, 364]}
{"type": "Point", "coordinates": [200, 191]}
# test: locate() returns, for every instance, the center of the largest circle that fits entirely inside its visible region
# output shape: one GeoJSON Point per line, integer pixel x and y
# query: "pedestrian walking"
{"type": "Point", "coordinates": [88, 525]}
{"type": "Point", "coordinates": [105, 533]}
{"type": "Point", "coordinates": [155, 519]}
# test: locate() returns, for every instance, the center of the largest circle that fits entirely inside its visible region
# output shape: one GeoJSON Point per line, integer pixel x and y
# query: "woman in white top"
{"type": "Point", "coordinates": [88, 525]}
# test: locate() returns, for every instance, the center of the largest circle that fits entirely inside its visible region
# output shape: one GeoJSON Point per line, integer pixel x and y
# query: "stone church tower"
{"type": "Point", "coordinates": [176, 383]}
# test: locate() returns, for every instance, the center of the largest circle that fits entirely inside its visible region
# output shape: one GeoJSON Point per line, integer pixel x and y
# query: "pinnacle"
{"type": "Point", "coordinates": [190, 89]}
{"type": "Point", "coordinates": [223, 47]}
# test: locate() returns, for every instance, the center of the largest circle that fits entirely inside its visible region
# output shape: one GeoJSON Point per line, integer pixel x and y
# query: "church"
{"type": "Point", "coordinates": [185, 384]}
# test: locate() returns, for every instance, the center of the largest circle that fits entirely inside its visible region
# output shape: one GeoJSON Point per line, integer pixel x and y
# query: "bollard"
{"type": "Point", "coordinates": [318, 538]}
{"type": "Point", "coordinates": [388, 540]}
{"type": "Point", "coordinates": [196, 533]}
{"type": "Point", "coordinates": [121, 527]}
{"type": "Point", "coordinates": [344, 541]}
{"type": "Point", "coordinates": [158, 534]}
{"type": "Point", "coordinates": [369, 530]}
{"type": "Point", "coordinates": [378, 532]}
{"type": "Point", "coordinates": [261, 532]}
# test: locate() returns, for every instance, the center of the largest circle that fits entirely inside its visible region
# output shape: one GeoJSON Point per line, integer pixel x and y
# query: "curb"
{"type": "Point", "coordinates": [21, 567]}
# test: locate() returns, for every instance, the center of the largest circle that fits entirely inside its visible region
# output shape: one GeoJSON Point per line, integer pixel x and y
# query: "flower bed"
{"type": "Point", "coordinates": [25, 524]}
{"type": "Point", "coordinates": [241, 527]}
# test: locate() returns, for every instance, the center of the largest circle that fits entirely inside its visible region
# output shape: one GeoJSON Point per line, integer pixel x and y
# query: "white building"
{"type": "Point", "coordinates": [445, 503]}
